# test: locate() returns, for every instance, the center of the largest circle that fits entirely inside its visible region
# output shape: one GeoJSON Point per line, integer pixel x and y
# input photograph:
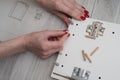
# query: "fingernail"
{"type": "Point", "coordinates": [86, 12]}
{"type": "Point", "coordinates": [86, 15]}
{"type": "Point", "coordinates": [82, 18]}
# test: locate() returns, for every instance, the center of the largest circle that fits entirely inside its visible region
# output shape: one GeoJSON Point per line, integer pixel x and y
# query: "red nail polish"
{"type": "Point", "coordinates": [86, 15]}
{"type": "Point", "coordinates": [86, 12]}
{"type": "Point", "coordinates": [82, 18]}
{"type": "Point", "coordinates": [66, 31]}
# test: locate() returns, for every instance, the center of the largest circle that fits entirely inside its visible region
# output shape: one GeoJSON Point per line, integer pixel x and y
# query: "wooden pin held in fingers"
{"type": "Point", "coordinates": [93, 52]}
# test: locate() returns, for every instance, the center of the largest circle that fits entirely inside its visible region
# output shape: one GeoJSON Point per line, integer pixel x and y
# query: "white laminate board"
{"type": "Point", "coordinates": [105, 62]}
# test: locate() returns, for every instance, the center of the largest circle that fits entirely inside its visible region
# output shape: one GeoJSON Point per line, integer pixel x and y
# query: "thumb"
{"type": "Point", "coordinates": [64, 38]}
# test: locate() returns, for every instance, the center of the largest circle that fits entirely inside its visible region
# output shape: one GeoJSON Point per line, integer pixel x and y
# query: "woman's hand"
{"type": "Point", "coordinates": [45, 43]}
{"type": "Point", "coordinates": [65, 9]}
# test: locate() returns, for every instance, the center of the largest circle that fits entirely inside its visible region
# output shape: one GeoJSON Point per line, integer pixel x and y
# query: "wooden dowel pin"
{"type": "Point", "coordinates": [93, 52]}
{"type": "Point", "coordinates": [91, 37]}
{"type": "Point", "coordinates": [88, 58]}
{"type": "Point", "coordinates": [62, 76]}
{"type": "Point", "coordinates": [85, 56]}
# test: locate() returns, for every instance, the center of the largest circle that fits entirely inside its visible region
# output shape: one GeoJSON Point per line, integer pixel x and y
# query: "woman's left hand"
{"type": "Point", "coordinates": [65, 9]}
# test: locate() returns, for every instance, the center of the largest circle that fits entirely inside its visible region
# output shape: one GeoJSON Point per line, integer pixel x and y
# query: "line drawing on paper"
{"type": "Point", "coordinates": [19, 10]}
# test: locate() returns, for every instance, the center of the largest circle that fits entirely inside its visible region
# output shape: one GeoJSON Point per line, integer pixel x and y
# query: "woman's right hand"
{"type": "Point", "coordinates": [46, 43]}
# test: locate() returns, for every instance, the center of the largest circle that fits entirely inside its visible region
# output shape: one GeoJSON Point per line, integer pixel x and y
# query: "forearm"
{"type": "Point", "coordinates": [12, 46]}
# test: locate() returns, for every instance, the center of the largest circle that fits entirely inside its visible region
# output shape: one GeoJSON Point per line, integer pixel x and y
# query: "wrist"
{"type": "Point", "coordinates": [26, 41]}
{"type": "Point", "coordinates": [23, 43]}
{"type": "Point", "coordinates": [13, 46]}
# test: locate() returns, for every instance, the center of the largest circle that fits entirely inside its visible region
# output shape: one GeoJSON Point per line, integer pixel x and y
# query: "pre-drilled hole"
{"type": "Point", "coordinates": [113, 32]}
{"type": "Point", "coordinates": [62, 66]}
{"type": "Point", "coordinates": [76, 24]}
{"type": "Point", "coordinates": [99, 77]}
{"type": "Point", "coordinates": [73, 34]}
{"type": "Point", "coordinates": [65, 54]}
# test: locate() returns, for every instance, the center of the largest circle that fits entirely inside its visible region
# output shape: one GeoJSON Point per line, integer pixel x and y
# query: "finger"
{"type": "Point", "coordinates": [56, 33]}
{"type": "Point", "coordinates": [74, 5]}
{"type": "Point", "coordinates": [83, 11]}
{"type": "Point", "coordinates": [75, 13]}
{"type": "Point", "coordinates": [53, 51]}
{"type": "Point", "coordinates": [75, 2]}
{"type": "Point", "coordinates": [56, 47]}
{"type": "Point", "coordinates": [71, 4]}
{"type": "Point", "coordinates": [80, 8]}
{"type": "Point", "coordinates": [63, 17]}
{"type": "Point", "coordinates": [44, 57]}
{"type": "Point", "coordinates": [64, 38]}
{"type": "Point", "coordinates": [53, 38]}
{"type": "Point", "coordinates": [57, 44]}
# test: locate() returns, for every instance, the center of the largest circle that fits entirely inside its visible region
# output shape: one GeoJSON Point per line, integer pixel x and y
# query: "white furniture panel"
{"type": "Point", "coordinates": [105, 63]}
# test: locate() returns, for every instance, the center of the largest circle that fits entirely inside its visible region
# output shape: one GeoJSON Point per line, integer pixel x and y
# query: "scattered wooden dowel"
{"type": "Point", "coordinates": [83, 54]}
{"type": "Point", "coordinates": [93, 52]}
{"type": "Point", "coordinates": [88, 58]}
{"type": "Point", "coordinates": [62, 76]}
{"type": "Point", "coordinates": [91, 37]}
